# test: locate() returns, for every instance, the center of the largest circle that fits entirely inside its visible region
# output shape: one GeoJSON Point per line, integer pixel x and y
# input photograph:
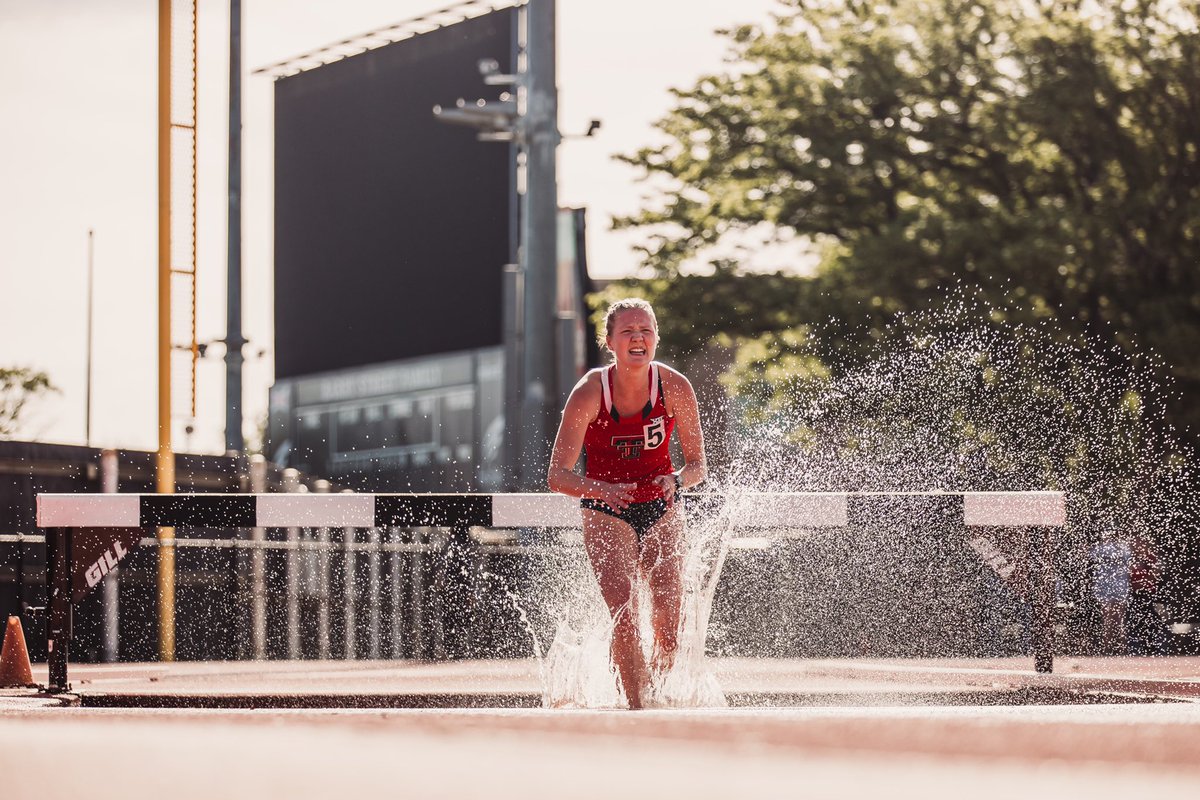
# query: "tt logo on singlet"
{"type": "Point", "coordinates": [653, 436]}
{"type": "Point", "coordinates": [628, 446]}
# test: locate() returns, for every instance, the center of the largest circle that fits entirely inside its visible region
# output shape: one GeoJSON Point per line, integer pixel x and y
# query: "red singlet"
{"type": "Point", "coordinates": [633, 449]}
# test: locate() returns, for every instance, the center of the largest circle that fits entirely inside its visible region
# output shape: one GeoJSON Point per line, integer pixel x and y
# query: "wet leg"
{"type": "Point", "coordinates": [612, 549]}
{"type": "Point", "coordinates": [662, 564]}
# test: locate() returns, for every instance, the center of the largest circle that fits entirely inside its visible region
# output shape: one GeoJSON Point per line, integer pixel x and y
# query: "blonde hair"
{"type": "Point", "coordinates": [625, 304]}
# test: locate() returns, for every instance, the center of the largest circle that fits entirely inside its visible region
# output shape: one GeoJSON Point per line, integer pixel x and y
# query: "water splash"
{"type": "Point", "coordinates": [957, 398]}
{"type": "Point", "coordinates": [578, 673]}
{"type": "Point", "coordinates": [578, 669]}
{"type": "Point", "coordinates": [962, 398]}
{"type": "Point", "coordinates": [691, 681]}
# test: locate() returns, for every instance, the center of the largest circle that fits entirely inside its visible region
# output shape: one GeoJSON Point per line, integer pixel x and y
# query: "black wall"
{"type": "Point", "coordinates": [391, 228]}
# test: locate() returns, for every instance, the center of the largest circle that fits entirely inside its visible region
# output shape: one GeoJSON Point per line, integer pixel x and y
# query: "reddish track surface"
{"type": "Point", "coordinates": [1094, 752]}
{"type": "Point", "coordinates": [966, 751]}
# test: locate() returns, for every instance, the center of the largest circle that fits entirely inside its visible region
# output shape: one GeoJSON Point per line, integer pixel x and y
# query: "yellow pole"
{"type": "Point", "coordinates": [165, 471]}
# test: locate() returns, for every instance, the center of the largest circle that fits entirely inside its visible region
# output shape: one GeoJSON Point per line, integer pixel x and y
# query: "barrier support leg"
{"type": "Point", "coordinates": [58, 600]}
{"type": "Point", "coordinates": [438, 600]}
{"type": "Point", "coordinates": [1042, 579]}
{"type": "Point", "coordinates": [417, 579]}
{"type": "Point", "coordinates": [458, 588]}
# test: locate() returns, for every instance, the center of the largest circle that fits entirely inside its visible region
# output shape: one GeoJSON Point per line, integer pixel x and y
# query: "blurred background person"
{"type": "Point", "coordinates": [1111, 559]}
{"type": "Point", "coordinates": [1147, 633]}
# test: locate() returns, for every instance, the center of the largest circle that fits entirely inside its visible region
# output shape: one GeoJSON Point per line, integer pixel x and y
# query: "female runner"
{"type": "Point", "coordinates": [622, 416]}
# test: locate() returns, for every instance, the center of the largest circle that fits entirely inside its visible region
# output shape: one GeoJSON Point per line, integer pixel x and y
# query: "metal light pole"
{"type": "Point", "coordinates": [87, 403]}
{"type": "Point", "coordinates": [165, 463]}
{"type": "Point", "coordinates": [110, 632]}
{"type": "Point", "coordinates": [539, 243]}
{"type": "Point", "coordinates": [530, 120]}
{"type": "Point", "coordinates": [233, 308]}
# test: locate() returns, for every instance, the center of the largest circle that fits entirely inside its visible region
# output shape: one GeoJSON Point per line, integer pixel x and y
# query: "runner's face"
{"type": "Point", "coordinates": [634, 337]}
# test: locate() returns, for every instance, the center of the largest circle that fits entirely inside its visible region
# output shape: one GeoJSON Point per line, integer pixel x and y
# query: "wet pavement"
{"type": "Point", "coordinates": [876, 733]}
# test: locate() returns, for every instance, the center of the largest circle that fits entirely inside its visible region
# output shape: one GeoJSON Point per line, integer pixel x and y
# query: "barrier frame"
{"type": "Point", "coordinates": [1038, 514]}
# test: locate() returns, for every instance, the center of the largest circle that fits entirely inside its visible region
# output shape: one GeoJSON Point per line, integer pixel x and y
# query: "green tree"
{"type": "Point", "coordinates": [1047, 151]}
{"type": "Point", "coordinates": [701, 308]}
{"type": "Point", "coordinates": [19, 385]}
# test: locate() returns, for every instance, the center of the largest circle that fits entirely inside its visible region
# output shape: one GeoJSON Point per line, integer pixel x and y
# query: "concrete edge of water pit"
{"type": "Point", "coordinates": [30, 698]}
{"type": "Point", "coordinates": [515, 684]}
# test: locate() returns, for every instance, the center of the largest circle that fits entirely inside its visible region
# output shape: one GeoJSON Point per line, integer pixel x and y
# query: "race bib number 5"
{"type": "Point", "coordinates": [655, 433]}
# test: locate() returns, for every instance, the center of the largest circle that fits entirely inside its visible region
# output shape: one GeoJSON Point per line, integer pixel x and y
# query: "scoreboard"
{"type": "Point", "coordinates": [428, 424]}
{"type": "Point", "coordinates": [392, 229]}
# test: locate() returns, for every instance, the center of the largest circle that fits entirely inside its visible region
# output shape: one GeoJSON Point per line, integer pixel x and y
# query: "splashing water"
{"type": "Point", "coordinates": [578, 670]}
{"type": "Point", "coordinates": [959, 398]}
{"type": "Point", "coordinates": [691, 681]}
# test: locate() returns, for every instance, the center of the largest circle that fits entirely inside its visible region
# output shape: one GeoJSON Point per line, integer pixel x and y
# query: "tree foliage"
{"type": "Point", "coordinates": [19, 385]}
{"type": "Point", "coordinates": [1047, 151]}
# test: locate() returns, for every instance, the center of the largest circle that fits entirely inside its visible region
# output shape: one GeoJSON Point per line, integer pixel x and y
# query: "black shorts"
{"type": "Point", "coordinates": [639, 516]}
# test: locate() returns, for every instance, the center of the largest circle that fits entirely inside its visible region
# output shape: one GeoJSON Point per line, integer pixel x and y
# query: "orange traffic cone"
{"type": "Point", "coordinates": [14, 657]}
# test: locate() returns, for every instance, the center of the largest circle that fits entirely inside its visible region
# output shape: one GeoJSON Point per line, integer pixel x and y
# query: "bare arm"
{"type": "Point", "coordinates": [581, 409]}
{"type": "Point", "coordinates": [681, 398]}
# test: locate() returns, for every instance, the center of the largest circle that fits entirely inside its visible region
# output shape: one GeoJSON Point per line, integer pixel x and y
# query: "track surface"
{"type": "Point", "coordinates": [855, 750]}
{"type": "Point", "coordinates": [1094, 752]}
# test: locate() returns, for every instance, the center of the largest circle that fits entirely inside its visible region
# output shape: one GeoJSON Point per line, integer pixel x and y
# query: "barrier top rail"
{"type": "Point", "coordinates": [760, 510]}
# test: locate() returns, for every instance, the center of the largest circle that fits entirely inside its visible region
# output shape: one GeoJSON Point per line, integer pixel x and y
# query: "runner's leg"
{"type": "Point", "coordinates": [662, 564]}
{"type": "Point", "coordinates": [612, 549]}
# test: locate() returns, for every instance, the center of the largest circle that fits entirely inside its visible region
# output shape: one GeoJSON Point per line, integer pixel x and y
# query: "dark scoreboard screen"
{"type": "Point", "coordinates": [434, 423]}
{"type": "Point", "coordinates": [391, 228]}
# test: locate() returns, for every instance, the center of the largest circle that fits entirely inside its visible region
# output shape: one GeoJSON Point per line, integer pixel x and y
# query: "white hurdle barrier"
{"type": "Point", "coordinates": [759, 510]}
{"type": "Point", "coordinates": [114, 524]}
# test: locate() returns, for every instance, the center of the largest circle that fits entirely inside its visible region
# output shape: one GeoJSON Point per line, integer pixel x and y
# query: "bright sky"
{"type": "Point", "coordinates": [78, 150]}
